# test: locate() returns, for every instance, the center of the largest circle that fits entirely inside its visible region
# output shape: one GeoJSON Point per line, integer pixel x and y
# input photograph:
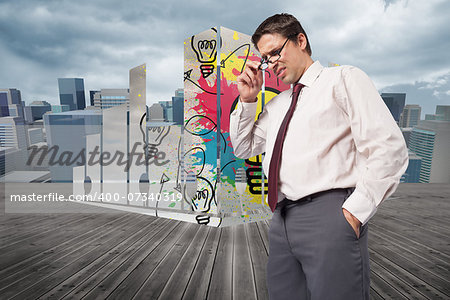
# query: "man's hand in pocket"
{"type": "Point", "coordinates": [353, 221]}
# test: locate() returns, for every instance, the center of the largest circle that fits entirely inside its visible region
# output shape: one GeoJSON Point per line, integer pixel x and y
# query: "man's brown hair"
{"type": "Point", "coordinates": [284, 24]}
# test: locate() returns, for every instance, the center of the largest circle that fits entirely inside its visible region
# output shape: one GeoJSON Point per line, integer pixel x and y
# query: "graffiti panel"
{"type": "Point", "coordinates": [238, 190]}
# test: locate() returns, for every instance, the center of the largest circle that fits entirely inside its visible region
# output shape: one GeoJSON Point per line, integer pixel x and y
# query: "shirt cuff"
{"type": "Point", "coordinates": [247, 109]}
{"type": "Point", "coordinates": [360, 206]}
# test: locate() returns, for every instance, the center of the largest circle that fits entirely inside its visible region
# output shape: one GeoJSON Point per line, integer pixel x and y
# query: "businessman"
{"type": "Point", "coordinates": [333, 153]}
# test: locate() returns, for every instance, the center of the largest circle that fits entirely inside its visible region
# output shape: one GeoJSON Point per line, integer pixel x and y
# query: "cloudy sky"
{"type": "Point", "coordinates": [401, 44]}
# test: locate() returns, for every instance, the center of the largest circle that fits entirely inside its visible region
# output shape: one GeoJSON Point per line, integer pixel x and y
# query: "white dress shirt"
{"type": "Point", "coordinates": [341, 135]}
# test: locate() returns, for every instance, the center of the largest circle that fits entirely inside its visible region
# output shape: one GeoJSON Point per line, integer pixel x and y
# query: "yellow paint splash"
{"type": "Point", "coordinates": [235, 36]}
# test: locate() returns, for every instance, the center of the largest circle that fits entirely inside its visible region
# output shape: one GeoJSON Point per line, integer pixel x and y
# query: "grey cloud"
{"type": "Point", "coordinates": [101, 40]}
{"type": "Point", "coordinates": [427, 94]}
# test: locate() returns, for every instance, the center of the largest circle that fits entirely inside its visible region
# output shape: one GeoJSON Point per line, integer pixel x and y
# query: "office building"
{"type": "Point", "coordinates": [67, 131]}
{"type": "Point", "coordinates": [156, 112]}
{"type": "Point", "coordinates": [11, 103]}
{"type": "Point", "coordinates": [412, 174]}
{"type": "Point", "coordinates": [167, 110]}
{"type": "Point", "coordinates": [12, 96]}
{"type": "Point", "coordinates": [178, 107]}
{"type": "Point", "coordinates": [28, 114]}
{"type": "Point", "coordinates": [16, 110]}
{"type": "Point", "coordinates": [108, 98]}
{"type": "Point", "coordinates": [91, 97]}
{"type": "Point", "coordinates": [60, 108]}
{"type": "Point", "coordinates": [442, 114]}
{"type": "Point", "coordinates": [12, 133]}
{"type": "Point", "coordinates": [71, 92]}
{"type": "Point", "coordinates": [11, 159]}
{"type": "Point", "coordinates": [407, 134]}
{"type": "Point", "coordinates": [39, 108]}
{"type": "Point", "coordinates": [395, 102]}
{"type": "Point", "coordinates": [410, 116]}
{"type": "Point", "coordinates": [13, 144]}
{"type": "Point", "coordinates": [430, 140]}
{"type": "Point", "coordinates": [35, 136]}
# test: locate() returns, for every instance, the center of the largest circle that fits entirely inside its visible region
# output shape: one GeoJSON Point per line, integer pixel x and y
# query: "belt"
{"type": "Point", "coordinates": [285, 204]}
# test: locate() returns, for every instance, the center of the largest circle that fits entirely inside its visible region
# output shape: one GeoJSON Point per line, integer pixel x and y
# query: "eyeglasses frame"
{"type": "Point", "coordinates": [264, 63]}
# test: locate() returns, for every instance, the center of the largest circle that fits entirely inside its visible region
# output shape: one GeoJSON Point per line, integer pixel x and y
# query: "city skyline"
{"type": "Point", "coordinates": [401, 45]}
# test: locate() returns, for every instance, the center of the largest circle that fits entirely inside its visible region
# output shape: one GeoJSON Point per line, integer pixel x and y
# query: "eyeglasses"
{"type": "Point", "coordinates": [264, 63]}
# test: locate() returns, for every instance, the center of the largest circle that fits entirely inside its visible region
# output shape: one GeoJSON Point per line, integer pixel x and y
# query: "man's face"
{"type": "Point", "coordinates": [294, 59]}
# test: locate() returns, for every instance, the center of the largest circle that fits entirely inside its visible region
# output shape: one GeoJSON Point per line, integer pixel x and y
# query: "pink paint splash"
{"type": "Point", "coordinates": [207, 99]}
{"type": "Point", "coordinates": [207, 103]}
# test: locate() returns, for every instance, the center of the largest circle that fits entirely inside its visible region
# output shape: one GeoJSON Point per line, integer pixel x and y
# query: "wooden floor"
{"type": "Point", "coordinates": [129, 256]}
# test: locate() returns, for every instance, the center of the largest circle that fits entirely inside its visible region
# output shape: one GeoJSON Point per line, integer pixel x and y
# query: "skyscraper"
{"type": "Point", "coordinates": [11, 103]}
{"type": "Point", "coordinates": [4, 110]}
{"type": "Point", "coordinates": [168, 110]}
{"type": "Point", "coordinates": [410, 116]}
{"type": "Point", "coordinates": [156, 112]}
{"type": "Point", "coordinates": [66, 132]}
{"type": "Point", "coordinates": [60, 108]}
{"type": "Point", "coordinates": [13, 144]}
{"type": "Point", "coordinates": [178, 107]}
{"type": "Point", "coordinates": [430, 140]}
{"type": "Point", "coordinates": [107, 98]}
{"type": "Point", "coordinates": [91, 96]}
{"type": "Point", "coordinates": [412, 173]}
{"type": "Point", "coordinates": [406, 131]}
{"type": "Point", "coordinates": [39, 108]}
{"type": "Point", "coordinates": [71, 92]}
{"type": "Point", "coordinates": [395, 102]}
{"type": "Point", "coordinates": [442, 113]}
{"type": "Point", "coordinates": [12, 133]}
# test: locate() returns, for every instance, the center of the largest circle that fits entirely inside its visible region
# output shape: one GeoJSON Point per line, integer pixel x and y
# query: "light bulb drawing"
{"type": "Point", "coordinates": [155, 136]}
{"type": "Point", "coordinates": [206, 52]}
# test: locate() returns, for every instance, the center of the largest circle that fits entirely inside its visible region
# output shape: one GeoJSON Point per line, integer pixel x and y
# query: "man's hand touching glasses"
{"type": "Point", "coordinates": [250, 82]}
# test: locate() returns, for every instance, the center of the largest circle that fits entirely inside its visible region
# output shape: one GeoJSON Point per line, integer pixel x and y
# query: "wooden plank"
{"type": "Point", "coordinates": [123, 248]}
{"type": "Point", "coordinates": [420, 235]}
{"type": "Point", "coordinates": [132, 283]}
{"type": "Point", "coordinates": [47, 259]}
{"type": "Point", "coordinates": [414, 217]}
{"type": "Point", "coordinates": [416, 283]}
{"type": "Point", "coordinates": [43, 280]}
{"type": "Point", "coordinates": [20, 221]}
{"type": "Point", "coordinates": [27, 227]}
{"type": "Point", "coordinates": [263, 227]}
{"type": "Point", "coordinates": [36, 231]}
{"type": "Point", "coordinates": [374, 295]}
{"type": "Point", "coordinates": [407, 241]}
{"type": "Point", "coordinates": [43, 241]}
{"type": "Point", "coordinates": [155, 283]}
{"type": "Point", "coordinates": [384, 289]}
{"type": "Point", "coordinates": [259, 259]}
{"type": "Point", "coordinates": [243, 278]}
{"type": "Point", "coordinates": [44, 259]}
{"type": "Point", "coordinates": [119, 275]}
{"type": "Point", "coordinates": [397, 283]}
{"type": "Point", "coordinates": [178, 281]}
{"type": "Point", "coordinates": [199, 281]}
{"type": "Point", "coordinates": [221, 284]}
{"type": "Point", "coordinates": [414, 263]}
{"type": "Point", "coordinates": [130, 256]}
{"type": "Point", "coordinates": [440, 259]}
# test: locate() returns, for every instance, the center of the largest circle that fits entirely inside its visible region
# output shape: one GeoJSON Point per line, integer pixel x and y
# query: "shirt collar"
{"type": "Point", "coordinates": [311, 74]}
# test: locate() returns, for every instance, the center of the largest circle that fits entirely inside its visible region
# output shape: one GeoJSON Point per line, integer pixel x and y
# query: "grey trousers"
{"type": "Point", "coordinates": [314, 252]}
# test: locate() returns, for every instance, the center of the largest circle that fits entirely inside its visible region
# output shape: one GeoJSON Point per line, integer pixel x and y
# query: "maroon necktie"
{"type": "Point", "coordinates": [274, 168]}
